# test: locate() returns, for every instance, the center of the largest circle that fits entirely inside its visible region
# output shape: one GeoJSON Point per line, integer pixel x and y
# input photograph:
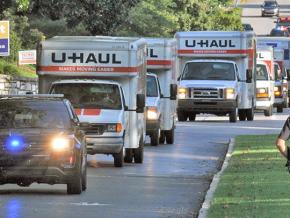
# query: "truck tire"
{"type": "Point", "coordinates": [119, 159]}
{"type": "Point", "coordinates": [269, 111]}
{"type": "Point", "coordinates": [138, 152]}
{"type": "Point", "coordinates": [182, 116]}
{"type": "Point", "coordinates": [250, 114]}
{"type": "Point", "coordinates": [191, 117]}
{"type": "Point", "coordinates": [233, 115]}
{"type": "Point", "coordinates": [162, 137]}
{"type": "Point", "coordinates": [74, 186]}
{"type": "Point", "coordinates": [154, 138]}
{"type": "Point", "coordinates": [242, 115]}
{"type": "Point", "coordinates": [280, 109]}
{"type": "Point", "coordinates": [128, 155]}
{"type": "Point", "coordinates": [169, 136]}
{"type": "Point", "coordinates": [84, 176]}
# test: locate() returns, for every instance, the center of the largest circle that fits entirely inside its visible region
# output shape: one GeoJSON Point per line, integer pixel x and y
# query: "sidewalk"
{"type": "Point", "coordinates": [255, 183]}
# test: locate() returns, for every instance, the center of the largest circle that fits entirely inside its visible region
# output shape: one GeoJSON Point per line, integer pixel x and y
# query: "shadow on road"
{"type": "Point", "coordinates": [32, 192]}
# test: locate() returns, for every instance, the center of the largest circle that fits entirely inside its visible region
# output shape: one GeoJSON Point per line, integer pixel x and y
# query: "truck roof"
{"type": "Point", "coordinates": [160, 41]}
{"type": "Point", "coordinates": [98, 81]}
{"type": "Point", "coordinates": [214, 34]}
{"type": "Point", "coordinates": [93, 42]}
{"type": "Point", "coordinates": [212, 60]}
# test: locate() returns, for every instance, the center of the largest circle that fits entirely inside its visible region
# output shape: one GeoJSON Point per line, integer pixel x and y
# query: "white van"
{"type": "Point", "coordinates": [217, 74]}
{"type": "Point", "coordinates": [105, 80]}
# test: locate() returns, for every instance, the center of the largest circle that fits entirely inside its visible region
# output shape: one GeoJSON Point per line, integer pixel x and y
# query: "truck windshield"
{"type": "Point", "coordinates": [208, 71]}
{"type": "Point", "coordinates": [152, 89]}
{"type": "Point", "coordinates": [262, 73]}
{"type": "Point", "coordinates": [33, 114]}
{"type": "Point", "coordinates": [90, 95]}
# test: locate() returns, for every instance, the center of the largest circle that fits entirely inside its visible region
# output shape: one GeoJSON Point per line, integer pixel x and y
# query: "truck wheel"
{"type": "Point", "coordinates": [191, 117]}
{"type": "Point", "coordinates": [138, 152]}
{"type": "Point", "coordinates": [170, 136]}
{"type": "Point", "coordinates": [162, 137]}
{"type": "Point", "coordinates": [128, 155]}
{"type": "Point", "coordinates": [242, 115]}
{"type": "Point", "coordinates": [280, 109]}
{"type": "Point", "coordinates": [182, 116]}
{"type": "Point", "coordinates": [84, 176]}
{"type": "Point", "coordinates": [74, 186]}
{"type": "Point", "coordinates": [118, 159]}
{"type": "Point", "coordinates": [154, 137]}
{"type": "Point", "coordinates": [250, 114]}
{"type": "Point", "coordinates": [233, 115]}
{"type": "Point", "coordinates": [269, 111]}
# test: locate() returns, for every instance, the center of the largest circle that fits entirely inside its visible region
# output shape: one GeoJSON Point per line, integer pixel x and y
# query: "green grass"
{"type": "Point", "coordinates": [14, 70]}
{"type": "Point", "coordinates": [255, 184]}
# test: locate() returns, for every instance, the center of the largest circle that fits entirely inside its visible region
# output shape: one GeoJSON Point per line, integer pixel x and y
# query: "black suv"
{"type": "Point", "coordinates": [41, 141]}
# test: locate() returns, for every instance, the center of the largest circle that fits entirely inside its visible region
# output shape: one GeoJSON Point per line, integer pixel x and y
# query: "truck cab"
{"type": "Point", "coordinates": [100, 103]}
{"type": "Point", "coordinates": [264, 89]}
{"type": "Point", "coordinates": [153, 108]}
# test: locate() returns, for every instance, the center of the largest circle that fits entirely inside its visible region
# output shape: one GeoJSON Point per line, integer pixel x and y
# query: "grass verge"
{"type": "Point", "coordinates": [14, 70]}
{"type": "Point", "coordinates": [255, 184]}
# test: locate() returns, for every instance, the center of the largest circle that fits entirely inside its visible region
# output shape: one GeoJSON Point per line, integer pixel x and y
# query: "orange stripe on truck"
{"type": "Point", "coordinates": [203, 51]}
{"type": "Point", "coordinates": [88, 112]}
{"type": "Point", "coordinates": [159, 62]}
{"type": "Point", "coordinates": [88, 69]}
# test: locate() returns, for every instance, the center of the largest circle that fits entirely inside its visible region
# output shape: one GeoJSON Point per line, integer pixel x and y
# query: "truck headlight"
{"type": "Point", "coordinates": [262, 93]}
{"type": "Point", "coordinates": [230, 93]}
{"type": "Point", "coordinates": [152, 113]}
{"type": "Point", "coordinates": [60, 143]}
{"type": "Point", "coordinates": [182, 93]}
{"type": "Point", "coordinates": [115, 127]}
{"type": "Point", "coordinates": [277, 91]}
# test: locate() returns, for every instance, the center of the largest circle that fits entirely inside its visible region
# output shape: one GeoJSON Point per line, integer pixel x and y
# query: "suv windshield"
{"type": "Point", "coordinates": [270, 4]}
{"type": "Point", "coordinates": [90, 95]}
{"type": "Point", "coordinates": [208, 71]}
{"type": "Point", "coordinates": [33, 114]}
{"type": "Point", "coordinates": [152, 89]}
{"type": "Point", "coordinates": [262, 73]}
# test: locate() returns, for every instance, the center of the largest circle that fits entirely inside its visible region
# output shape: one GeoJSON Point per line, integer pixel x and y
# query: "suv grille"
{"type": "Point", "coordinates": [210, 93]}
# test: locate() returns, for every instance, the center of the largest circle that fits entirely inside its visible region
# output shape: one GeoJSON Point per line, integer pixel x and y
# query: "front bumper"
{"type": "Point", "coordinates": [278, 102]}
{"type": "Point", "coordinates": [206, 105]}
{"type": "Point", "coordinates": [270, 12]}
{"type": "Point", "coordinates": [104, 145]}
{"type": "Point", "coordinates": [263, 104]}
{"type": "Point", "coordinates": [152, 126]}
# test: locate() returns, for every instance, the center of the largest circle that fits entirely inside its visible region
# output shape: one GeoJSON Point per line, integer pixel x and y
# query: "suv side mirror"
{"type": "Point", "coordinates": [173, 91]}
{"type": "Point", "coordinates": [140, 99]}
{"type": "Point", "coordinates": [249, 77]}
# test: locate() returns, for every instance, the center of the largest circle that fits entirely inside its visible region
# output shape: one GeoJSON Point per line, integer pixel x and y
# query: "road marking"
{"type": "Point", "coordinates": [89, 204]}
{"type": "Point", "coordinates": [236, 127]}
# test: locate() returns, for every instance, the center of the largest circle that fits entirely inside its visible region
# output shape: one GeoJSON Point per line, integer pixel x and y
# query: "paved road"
{"type": "Point", "coordinates": [172, 181]}
{"type": "Point", "coordinates": [252, 14]}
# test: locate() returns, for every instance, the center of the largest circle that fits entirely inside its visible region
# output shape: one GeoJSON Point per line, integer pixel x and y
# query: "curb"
{"type": "Point", "coordinates": [209, 195]}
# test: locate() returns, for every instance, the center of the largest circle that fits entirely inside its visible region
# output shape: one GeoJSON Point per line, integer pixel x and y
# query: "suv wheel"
{"type": "Point", "coordinates": [138, 152]}
{"type": "Point", "coordinates": [154, 137]}
{"type": "Point", "coordinates": [74, 186]}
{"type": "Point", "coordinates": [128, 155]}
{"type": "Point", "coordinates": [119, 159]}
{"type": "Point", "coordinates": [280, 109]}
{"type": "Point", "coordinates": [233, 115]}
{"type": "Point", "coordinates": [182, 116]}
{"type": "Point", "coordinates": [170, 136]}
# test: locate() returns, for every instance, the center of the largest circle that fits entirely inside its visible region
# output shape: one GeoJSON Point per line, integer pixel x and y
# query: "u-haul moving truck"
{"type": "Point", "coordinates": [281, 46]}
{"type": "Point", "coordinates": [265, 80]}
{"type": "Point", "coordinates": [161, 107]}
{"type": "Point", "coordinates": [105, 80]}
{"type": "Point", "coordinates": [217, 74]}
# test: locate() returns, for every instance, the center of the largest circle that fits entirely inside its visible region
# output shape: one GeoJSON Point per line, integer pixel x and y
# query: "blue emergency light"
{"type": "Point", "coordinates": [14, 143]}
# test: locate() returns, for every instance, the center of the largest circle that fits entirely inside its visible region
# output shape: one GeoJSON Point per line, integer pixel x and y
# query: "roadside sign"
{"type": "Point", "coordinates": [4, 38]}
{"type": "Point", "coordinates": [27, 57]}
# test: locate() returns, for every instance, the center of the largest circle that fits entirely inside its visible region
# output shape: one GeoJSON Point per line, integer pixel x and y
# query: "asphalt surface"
{"type": "Point", "coordinates": [172, 181]}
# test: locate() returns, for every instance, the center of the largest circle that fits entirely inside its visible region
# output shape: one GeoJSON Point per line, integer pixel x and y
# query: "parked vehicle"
{"type": "Point", "coordinates": [279, 94]}
{"type": "Point", "coordinates": [41, 141]}
{"type": "Point", "coordinates": [265, 80]}
{"type": "Point", "coordinates": [247, 27]}
{"type": "Point", "coordinates": [270, 8]}
{"type": "Point", "coordinates": [161, 106]}
{"type": "Point", "coordinates": [105, 79]}
{"type": "Point", "coordinates": [280, 32]}
{"type": "Point", "coordinates": [216, 74]}
{"type": "Point", "coordinates": [283, 22]}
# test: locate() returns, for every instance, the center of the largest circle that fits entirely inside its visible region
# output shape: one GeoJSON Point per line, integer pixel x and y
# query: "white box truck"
{"type": "Point", "coordinates": [265, 80]}
{"type": "Point", "coordinates": [281, 46]}
{"type": "Point", "coordinates": [217, 74]}
{"type": "Point", "coordinates": [161, 90]}
{"type": "Point", "coordinates": [105, 80]}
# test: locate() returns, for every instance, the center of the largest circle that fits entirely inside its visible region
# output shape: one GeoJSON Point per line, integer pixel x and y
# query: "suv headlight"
{"type": "Point", "coordinates": [182, 93]}
{"type": "Point", "coordinates": [277, 91]}
{"type": "Point", "coordinates": [230, 93]}
{"type": "Point", "coordinates": [60, 143]}
{"type": "Point", "coordinates": [262, 93]}
{"type": "Point", "coordinates": [152, 113]}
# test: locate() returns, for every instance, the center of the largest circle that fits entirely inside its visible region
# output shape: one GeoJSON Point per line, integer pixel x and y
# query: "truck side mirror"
{"type": "Point", "coordinates": [249, 74]}
{"type": "Point", "coordinates": [288, 74]}
{"type": "Point", "coordinates": [140, 99]}
{"type": "Point", "coordinates": [126, 108]}
{"type": "Point", "coordinates": [173, 91]}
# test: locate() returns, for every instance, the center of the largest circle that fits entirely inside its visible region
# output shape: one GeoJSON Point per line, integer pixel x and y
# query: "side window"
{"type": "Point", "coordinates": [237, 72]}
{"type": "Point", "coordinates": [159, 87]}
